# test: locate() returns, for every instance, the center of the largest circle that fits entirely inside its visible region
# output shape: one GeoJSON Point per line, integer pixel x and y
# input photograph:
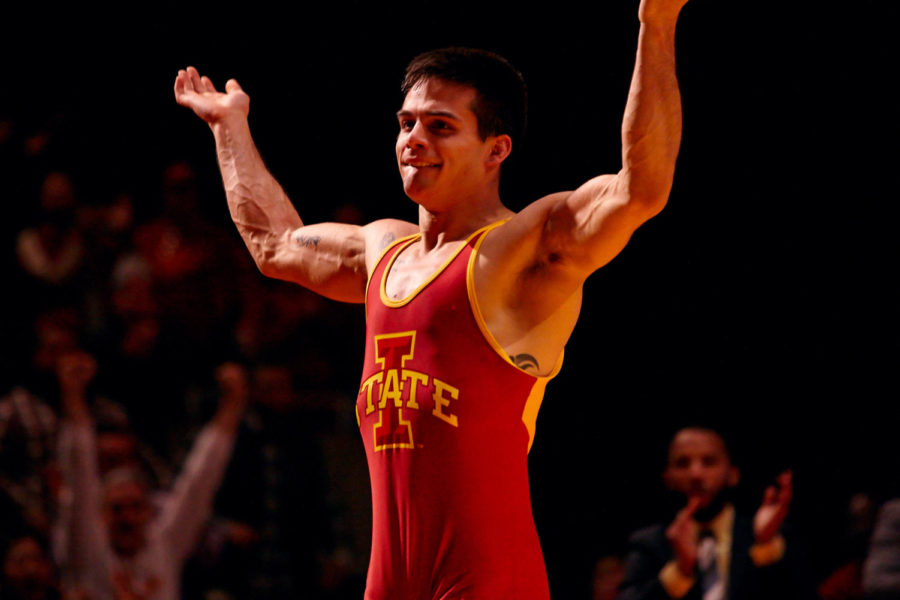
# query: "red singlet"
{"type": "Point", "coordinates": [447, 421]}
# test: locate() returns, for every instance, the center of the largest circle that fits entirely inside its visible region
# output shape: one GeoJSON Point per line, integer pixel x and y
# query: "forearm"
{"type": "Point", "coordinates": [85, 548]}
{"type": "Point", "coordinates": [259, 207]}
{"type": "Point", "coordinates": [651, 129]}
{"type": "Point", "coordinates": [189, 505]}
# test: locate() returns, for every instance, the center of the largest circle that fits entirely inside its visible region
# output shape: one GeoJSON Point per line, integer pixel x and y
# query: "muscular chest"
{"type": "Point", "coordinates": [411, 269]}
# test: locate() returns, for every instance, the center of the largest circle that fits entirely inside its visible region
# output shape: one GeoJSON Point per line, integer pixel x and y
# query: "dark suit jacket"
{"type": "Point", "coordinates": [649, 551]}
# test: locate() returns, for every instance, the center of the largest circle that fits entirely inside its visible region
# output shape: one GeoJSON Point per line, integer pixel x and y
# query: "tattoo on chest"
{"type": "Point", "coordinates": [525, 362]}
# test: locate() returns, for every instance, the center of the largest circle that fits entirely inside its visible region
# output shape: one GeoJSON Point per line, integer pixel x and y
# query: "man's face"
{"type": "Point", "coordinates": [699, 466]}
{"type": "Point", "coordinates": [27, 569]}
{"type": "Point", "coordinates": [127, 512]}
{"type": "Point", "coordinates": [439, 151]}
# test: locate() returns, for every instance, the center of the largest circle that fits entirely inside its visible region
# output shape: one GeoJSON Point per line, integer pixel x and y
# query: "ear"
{"type": "Point", "coordinates": [734, 476]}
{"type": "Point", "coordinates": [500, 148]}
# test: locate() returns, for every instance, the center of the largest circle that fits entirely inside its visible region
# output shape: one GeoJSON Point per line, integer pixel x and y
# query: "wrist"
{"type": "Point", "coordinates": [228, 122]}
{"type": "Point", "coordinates": [676, 583]}
{"type": "Point", "coordinates": [768, 552]}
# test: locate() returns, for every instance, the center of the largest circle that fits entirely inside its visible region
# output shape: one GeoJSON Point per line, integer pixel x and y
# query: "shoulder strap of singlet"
{"type": "Point", "coordinates": [382, 265]}
{"type": "Point", "coordinates": [388, 249]}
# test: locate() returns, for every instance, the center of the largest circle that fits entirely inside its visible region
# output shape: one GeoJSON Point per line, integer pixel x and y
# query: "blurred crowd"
{"type": "Point", "coordinates": [172, 424]}
{"type": "Point", "coordinates": [134, 321]}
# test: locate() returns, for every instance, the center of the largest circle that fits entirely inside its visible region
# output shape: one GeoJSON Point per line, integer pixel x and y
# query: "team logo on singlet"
{"type": "Point", "coordinates": [394, 391]}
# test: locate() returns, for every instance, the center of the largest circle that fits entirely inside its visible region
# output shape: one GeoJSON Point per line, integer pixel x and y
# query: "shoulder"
{"type": "Point", "coordinates": [382, 233]}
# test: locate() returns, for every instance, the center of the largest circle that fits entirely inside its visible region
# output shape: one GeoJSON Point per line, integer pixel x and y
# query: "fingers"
{"type": "Point", "coordinates": [179, 84]}
{"type": "Point", "coordinates": [207, 84]}
{"type": "Point", "coordinates": [769, 495]}
{"type": "Point", "coordinates": [189, 80]}
{"type": "Point", "coordinates": [782, 491]}
{"type": "Point", "coordinates": [194, 77]}
{"type": "Point", "coordinates": [786, 480]}
{"type": "Point", "coordinates": [786, 488]}
{"type": "Point", "coordinates": [692, 506]}
{"type": "Point", "coordinates": [686, 513]}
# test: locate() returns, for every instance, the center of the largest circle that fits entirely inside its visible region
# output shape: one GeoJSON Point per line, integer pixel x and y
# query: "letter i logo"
{"type": "Point", "coordinates": [391, 352]}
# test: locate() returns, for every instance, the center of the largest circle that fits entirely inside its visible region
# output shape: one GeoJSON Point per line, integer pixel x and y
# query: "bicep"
{"type": "Point", "coordinates": [589, 226]}
{"type": "Point", "coordinates": [330, 259]}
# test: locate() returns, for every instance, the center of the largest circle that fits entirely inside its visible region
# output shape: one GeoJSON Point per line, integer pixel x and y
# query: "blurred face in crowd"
{"type": "Point", "coordinates": [699, 466]}
{"type": "Point", "coordinates": [27, 571]}
{"type": "Point", "coordinates": [127, 512]}
{"type": "Point", "coordinates": [274, 387]}
{"type": "Point", "coordinates": [116, 449]}
{"type": "Point", "coordinates": [609, 571]}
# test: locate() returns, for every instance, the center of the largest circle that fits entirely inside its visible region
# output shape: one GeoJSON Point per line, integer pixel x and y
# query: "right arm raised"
{"type": "Point", "coordinates": [329, 258]}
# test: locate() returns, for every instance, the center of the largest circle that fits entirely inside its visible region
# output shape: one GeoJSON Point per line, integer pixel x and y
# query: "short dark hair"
{"type": "Point", "coordinates": [501, 104]}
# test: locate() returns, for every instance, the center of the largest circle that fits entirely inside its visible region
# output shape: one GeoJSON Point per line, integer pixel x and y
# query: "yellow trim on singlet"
{"type": "Point", "coordinates": [387, 269]}
{"type": "Point", "coordinates": [384, 251]}
{"type": "Point", "coordinates": [536, 396]}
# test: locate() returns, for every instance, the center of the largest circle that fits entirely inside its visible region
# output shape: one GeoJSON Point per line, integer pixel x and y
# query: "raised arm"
{"type": "Point", "coordinates": [582, 230]}
{"type": "Point", "coordinates": [596, 220]}
{"type": "Point", "coordinates": [189, 506]}
{"type": "Point", "coordinates": [531, 273]}
{"type": "Point", "coordinates": [328, 258]}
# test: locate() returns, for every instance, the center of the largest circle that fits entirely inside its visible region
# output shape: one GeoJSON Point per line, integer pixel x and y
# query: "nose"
{"type": "Point", "coordinates": [416, 137]}
{"type": "Point", "coordinates": [696, 470]}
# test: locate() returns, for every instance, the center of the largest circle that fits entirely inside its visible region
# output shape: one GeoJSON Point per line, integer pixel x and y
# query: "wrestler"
{"type": "Point", "coordinates": [468, 310]}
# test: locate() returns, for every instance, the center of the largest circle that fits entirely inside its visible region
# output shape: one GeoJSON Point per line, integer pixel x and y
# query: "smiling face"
{"type": "Point", "coordinates": [441, 156]}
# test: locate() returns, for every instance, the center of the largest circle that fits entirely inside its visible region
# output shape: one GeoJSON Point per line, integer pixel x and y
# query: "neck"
{"type": "Point", "coordinates": [460, 220]}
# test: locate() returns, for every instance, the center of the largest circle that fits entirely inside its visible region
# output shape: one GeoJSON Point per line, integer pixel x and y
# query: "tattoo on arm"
{"type": "Point", "coordinates": [310, 241]}
{"type": "Point", "coordinates": [387, 239]}
{"type": "Point", "coordinates": [525, 362]}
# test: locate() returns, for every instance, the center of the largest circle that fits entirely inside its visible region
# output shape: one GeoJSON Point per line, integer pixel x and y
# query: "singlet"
{"type": "Point", "coordinates": [447, 421]}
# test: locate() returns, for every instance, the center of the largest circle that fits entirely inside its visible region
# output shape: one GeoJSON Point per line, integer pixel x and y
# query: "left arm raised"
{"type": "Point", "coordinates": [592, 224]}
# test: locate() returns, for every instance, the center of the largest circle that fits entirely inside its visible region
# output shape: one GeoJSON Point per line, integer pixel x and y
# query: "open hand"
{"type": "Point", "coordinates": [200, 95]}
{"type": "Point", "coordinates": [771, 514]}
{"type": "Point", "coordinates": [682, 536]}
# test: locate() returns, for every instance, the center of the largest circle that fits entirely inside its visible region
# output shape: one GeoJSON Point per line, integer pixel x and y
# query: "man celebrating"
{"type": "Point", "coordinates": [468, 311]}
{"type": "Point", "coordinates": [709, 551]}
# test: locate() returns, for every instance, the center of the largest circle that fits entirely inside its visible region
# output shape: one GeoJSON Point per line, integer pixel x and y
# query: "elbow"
{"type": "Point", "coordinates": [265, 266]}
{"type": "Point", "coordinates": [647, 205]}
{"type": "Point", "coordinates": [647, 194]}
{"type": "Point", "coordinates": [266, 251]}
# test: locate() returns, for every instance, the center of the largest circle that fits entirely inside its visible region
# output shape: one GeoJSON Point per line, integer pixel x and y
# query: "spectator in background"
{"type": "Point", "coordinates": [844, 580]}
{"type": "Point", "coordinates": [28, 422]}
{"type": "Point", "coordinates": [51, 251]}
{"type": "Point", "coordinates": [881, 569]}
{"type": "Point", "coordinates": [609, 570]}
{"type": "Point", "coordinates": [274, 525]}
{"type": "Point", "coordinates": [27, 465]}
{"type": "Point", "coordinates": [28, 572]}
{"type": "Point", "coordinates": [185, 252]}
{"type": "Point", "coordinates": [113, 543]}
{"type": "Point", "coordinates": [711, 551]}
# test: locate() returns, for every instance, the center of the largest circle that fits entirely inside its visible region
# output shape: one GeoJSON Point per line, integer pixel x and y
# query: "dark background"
{"type": "Point", "coordinates": [764, 296]}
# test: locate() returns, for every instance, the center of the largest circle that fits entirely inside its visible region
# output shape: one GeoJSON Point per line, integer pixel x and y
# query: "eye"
{"type": "Point", "coordinates": [407, 124]}
{"type": "Point", "coordinates": [440, 126]}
